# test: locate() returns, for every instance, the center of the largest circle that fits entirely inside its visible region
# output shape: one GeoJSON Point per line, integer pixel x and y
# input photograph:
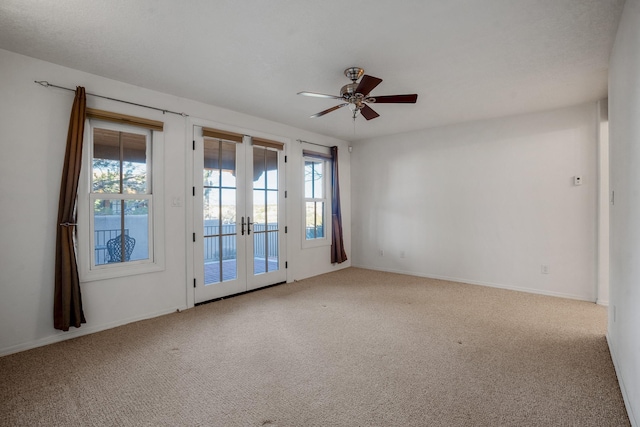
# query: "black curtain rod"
{"type": "Point", "coordinates": [47, 84]}
{"type": "Point", "coordinates": [313, 143]}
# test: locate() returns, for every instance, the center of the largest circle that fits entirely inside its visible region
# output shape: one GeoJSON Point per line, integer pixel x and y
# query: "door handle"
{"type": "Point", "coordinates": [242, 228]}
{"type": "Point", "coordinates": [249, 223]}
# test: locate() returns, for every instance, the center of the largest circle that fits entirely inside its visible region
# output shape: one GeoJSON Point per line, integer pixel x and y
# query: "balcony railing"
{"type": "Point", "coordinates": [319, 232]}
{"type": "Point", "coordinates": [211, 245]}
{"type": "Point", "coordinates": [228, 231]}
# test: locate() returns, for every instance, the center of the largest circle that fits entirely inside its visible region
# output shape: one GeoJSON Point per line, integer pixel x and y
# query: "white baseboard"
{"type": "Point", "coordinates": [632, 419]}
{"type": "Point", "coordinates": [476, 282]}
{"type": "Point", "coordinates": [84, 330]}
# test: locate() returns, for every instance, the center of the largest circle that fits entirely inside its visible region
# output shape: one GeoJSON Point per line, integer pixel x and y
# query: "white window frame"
{"type": "Point", "coordinates": [325, 240]}
{"type": "Point", "coordinates": [87, 269]}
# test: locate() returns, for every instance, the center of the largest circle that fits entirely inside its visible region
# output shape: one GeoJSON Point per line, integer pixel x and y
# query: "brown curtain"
{"type": "Point", "coordinates": [67, 304]}
{"type": "Point", "coordinates": [337, 246]}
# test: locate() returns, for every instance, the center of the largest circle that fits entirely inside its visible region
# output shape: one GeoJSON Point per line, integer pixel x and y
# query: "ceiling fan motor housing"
{"type": "Point", "coordinates": [348, 92]}
{"type": "Point", "coordinates": [354, 73]}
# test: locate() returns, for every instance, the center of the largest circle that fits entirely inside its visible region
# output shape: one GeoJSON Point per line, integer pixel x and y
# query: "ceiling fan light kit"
{"type": "Point", "coordinates": [356, 95]}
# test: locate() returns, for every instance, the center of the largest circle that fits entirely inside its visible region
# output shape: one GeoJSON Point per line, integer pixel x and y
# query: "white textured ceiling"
{"type": "Point", "coordinates": [466, 59]}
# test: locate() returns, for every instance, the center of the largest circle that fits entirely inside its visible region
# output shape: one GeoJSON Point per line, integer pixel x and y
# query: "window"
{"type": "Point", "coordinates": [120, 195]}
{"type": "Point", "coordinates": [117, 223]}
{"type": "Point", "coordinates": [315, 200]}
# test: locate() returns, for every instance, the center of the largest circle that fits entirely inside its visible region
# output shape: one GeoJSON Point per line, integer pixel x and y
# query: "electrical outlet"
{"type": "Point", "coordinates": [544, 269]}
{"type": "Point", "coordinates": [381, 252]}
{"type": "Point", "coordinates": [402, 254]}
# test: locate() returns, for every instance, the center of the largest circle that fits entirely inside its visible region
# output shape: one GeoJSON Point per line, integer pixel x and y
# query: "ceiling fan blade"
{"type": "Point", "coordinates": [319, 95]}
{"type": "Point", "coordinates": [327, 111]}
{"type": "Point", "coordinates": [367, 84]}
{"type": "Point", "coordinates": [398, 99]}
{"type": "Point", "coordinates": [368, 113]}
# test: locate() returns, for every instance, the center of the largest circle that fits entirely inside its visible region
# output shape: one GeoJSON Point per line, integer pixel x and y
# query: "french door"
{"type": "Point", "coordinates": [238, 214]}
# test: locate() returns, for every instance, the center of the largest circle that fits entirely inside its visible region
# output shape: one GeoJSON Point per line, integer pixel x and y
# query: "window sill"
{"type": "Point", "coordinates": [111, 272]}
{"type": "Point", "coordinates": [315, 243]}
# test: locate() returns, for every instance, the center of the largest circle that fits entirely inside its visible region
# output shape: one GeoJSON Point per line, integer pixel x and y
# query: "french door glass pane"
{"type": "Point", "coordinates": [265, 210]}
{"type": "Point", "coordinates": [211, 157]}
{"type": "Point", "coordinates": [259, 176]}
{"type": "Point", "coordinates": [272, 251]}
{"type": "Point", "coordinates": [259, 212]}
{"type": "Point", "coordinates": [228, 206]}
{"type": "Point", "coordinates": [228, 162]}
{"type": "Point", "coordinates": [212, 260]}
{"type": "Point", "coordinates": [211, 206]}
{"type": "Point", "coordinates": [271, 167]}
{"type": "Point", "coordinates": [219, 211]}
{"type": "Point", "coordinates": [271, 208]}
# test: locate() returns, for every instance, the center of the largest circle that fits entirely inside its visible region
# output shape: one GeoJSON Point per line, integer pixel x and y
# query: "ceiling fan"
{"type": "Point", "coordinates": [356, 95]}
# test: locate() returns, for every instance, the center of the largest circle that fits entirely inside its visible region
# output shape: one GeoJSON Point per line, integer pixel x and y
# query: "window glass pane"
{"type": "Point", "coordinates": [310, 220]}
{"type": "Point", "coordinates": [219, 266]}
{"type": "Point", "coordinates": [134, 163]}
{"type": "Point", "coordinates": [259, 176]}
{"type": "Point", "coordinates": [228, 206]}
{"type": "Point", "coordinates": [259, 208]}
{"type": "Point", "coordinates": [211, 172]}
{"type": "Point", "coordinates": [211, 177]}
{"type": "Point", "coordinates": [212, 260]}
{"type": "Point", "coordinates": [211, 204]}
{"type": "Point", "coordinates": [136, 221]}
{"type": "Point", "coordinates": [313, 179]}
{"type": "Point", "coordinates": [259, 253]}
{"type": "Point", "coordinates": [272, 169]}
{"type": "Point", "coordinates": [114, 244]}
{"type": "Point", "coordinates": [308, 180]}
{"type": "Point", "coordinates": [228, 164]}
{"type": "Point", "coordinates": [272, 250]}
{"type": "Point", "coordinates": [119, 156]}
{"type": "Point", "coordinates": [106, 161]}
{"type": "Point", "coordinates": [319, 220]}
{"type": "Point", "coordinates": [318, 173]}
{"type": "Point", "coordinates": [229, 264]}
{"type": "Point", "coordinates": [211, 153]}
{"type": "Point", "coordinates": [107, 226]}
{"type": "Point", "coordinates": [272, 208]}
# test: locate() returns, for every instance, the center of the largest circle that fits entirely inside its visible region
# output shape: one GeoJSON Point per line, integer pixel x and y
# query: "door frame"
{"type": "Point", "coordinates": [189, 200]}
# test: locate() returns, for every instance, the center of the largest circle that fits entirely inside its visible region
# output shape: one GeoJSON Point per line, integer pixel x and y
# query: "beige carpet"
{"type": "Point", "coordinates": [351, 348]}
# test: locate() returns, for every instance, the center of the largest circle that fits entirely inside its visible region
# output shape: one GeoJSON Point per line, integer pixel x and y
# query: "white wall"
{"type": "Point", "coordinates": [624, 126]}
{"type": "Point", "coordinates": [603, 202]}
{"type": "Point", "coordinates": [486, 202]}
{"type": "Point", "coordinates": [33, 129]}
